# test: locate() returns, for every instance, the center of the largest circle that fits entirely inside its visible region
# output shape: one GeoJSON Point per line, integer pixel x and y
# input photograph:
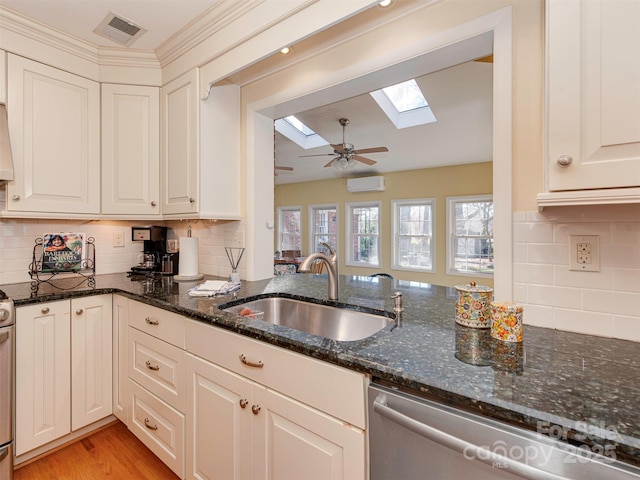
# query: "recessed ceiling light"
{"type": "Point", "coordinates": [285, 50]}
{"type": "Point", "coordinates": [385, 3]}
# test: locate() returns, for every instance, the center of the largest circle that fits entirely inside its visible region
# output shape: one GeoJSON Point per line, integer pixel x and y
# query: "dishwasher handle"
{"type": "Point", "coordinates": [459, 445]}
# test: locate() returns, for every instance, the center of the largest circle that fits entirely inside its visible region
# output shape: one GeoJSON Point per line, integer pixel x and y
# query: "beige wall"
{"type": "Point", "coordinates": [438, 183]}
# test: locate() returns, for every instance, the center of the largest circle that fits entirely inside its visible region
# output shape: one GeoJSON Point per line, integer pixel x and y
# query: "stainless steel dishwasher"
{"type": "Point", "coordinates": [412, 438]}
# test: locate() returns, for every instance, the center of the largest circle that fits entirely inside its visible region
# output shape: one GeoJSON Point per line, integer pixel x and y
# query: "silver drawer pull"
{"type": "Point", "coordinates": [152, 367]}
{"type": "Point", "coordinates": [45, 310]}
{"type": "Point", "coordinates": [152, 322]}
{"type": "Point", "coordinates": [249, 363]}
{"type": "Point", "coordinates": [243, 402]}
{"type": "Point", "coordinates": [148, 425]}
{"type": "Point", "coordinates": [255, 409]}
{"type": "Point", "coordinates": [79, 311]}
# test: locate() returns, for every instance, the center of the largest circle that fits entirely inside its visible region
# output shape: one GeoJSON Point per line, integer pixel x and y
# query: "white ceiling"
{"type": "Point", "coordinates": [161, 18]}
{"type": "Point", "coordinates": [461, 99]}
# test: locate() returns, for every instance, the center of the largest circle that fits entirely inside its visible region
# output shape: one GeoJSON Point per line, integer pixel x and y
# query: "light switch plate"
{"type": "Point", "coordinates": [118, 239]}
{"type": "Point", "coordinates": [584, 253]}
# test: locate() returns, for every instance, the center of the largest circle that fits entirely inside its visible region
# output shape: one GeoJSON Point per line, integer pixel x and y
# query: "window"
{"type": "Point", "coordinates": [363, 235]}
{"type": "Point", "coordinates": [323, 227]}
{"type": "Point", "coordinates": [470, 233]}
{"type": "Point", "coordinates": [289, 232]}
{"type": "Point", "coordinates": [413, 234]}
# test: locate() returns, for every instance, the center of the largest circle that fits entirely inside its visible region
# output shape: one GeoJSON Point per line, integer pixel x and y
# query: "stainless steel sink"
{"type": "Point", "coordinates": [341, 324]}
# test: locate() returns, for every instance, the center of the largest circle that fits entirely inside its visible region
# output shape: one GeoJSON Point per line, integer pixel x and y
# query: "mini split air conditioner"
{"type": "Point", "coordinates": [365, 184]}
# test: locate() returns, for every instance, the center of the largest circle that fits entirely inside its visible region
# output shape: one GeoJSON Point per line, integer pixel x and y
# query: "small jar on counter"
{"type": "Point", "coordinates": [506, 321]}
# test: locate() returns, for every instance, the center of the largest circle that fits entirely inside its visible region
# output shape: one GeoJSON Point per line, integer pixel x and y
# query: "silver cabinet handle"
{"type": "Point", "coordinates": [16, 197]}
{"type": "Point", "coordinates": [192, 200]}
{"type": "Point", "coordinates": [3, 453]}
{"type": "Point", "coordinates": [45, 310]}
{"type": "Point", "coordinates": [153, 203]}
{"type": "Point", "coordinates": [249, 363]}
{"type": "Point", "coordinates": [255, 409]}
{"type": "Point", "coordinates": [564, 160]}
{"type": "Point", "coordinates": [155, 368]}
{"type": "Point", "coordinates": [152, 322]}
{"type": "Point", "coordinates": [79, 311]}
{"type": "Point", "coordinates": [243, 402]}
{"type": "Point", "coordinates": [147, 423]}
{"type": "Point", "coordinates": [458, 445]}
{"type": "Point", "coordinates": [4, 314]}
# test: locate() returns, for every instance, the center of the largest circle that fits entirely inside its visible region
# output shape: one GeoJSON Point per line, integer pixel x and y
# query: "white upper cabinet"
{"type": "Point", "coordinates": [3, 76]}
{"type": "Point", "coordinates": [54, 123]}
{"type": "Point", "coordinates": [200, 150]}
{"type": "Point", "coordinates": [593, 96]}
{"type": "Point", "coordinates": [130, 150]}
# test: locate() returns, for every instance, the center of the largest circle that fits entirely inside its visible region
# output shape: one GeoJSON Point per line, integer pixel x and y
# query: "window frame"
{"type": "Point", "coordinates": [312, 226]}
{"type": "Point", "coordinates": [395, 235]}
{"type": "Point", "coordinates": [348, 259]}
{"type": "Point", "coordinates": [281, 210]}
{"type": "Point", "coordinates": [451, 237]}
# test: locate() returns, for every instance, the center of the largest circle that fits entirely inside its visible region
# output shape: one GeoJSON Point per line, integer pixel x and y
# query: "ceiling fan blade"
{"type": "Point", "coordinates": [331, 162]}
{"type": "Point", "coordinates": [289, 169]}
{"type": "Point", "coordinates": [366, 160]}
{"type": "Point", "coordinates": [317, 155]}
{"type": "Point", "coordinates": [338, 148]}
{"type": "Point", "coordinates": [372, 150]}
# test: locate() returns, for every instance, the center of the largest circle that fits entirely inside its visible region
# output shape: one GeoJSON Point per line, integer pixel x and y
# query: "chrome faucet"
{"type": "Point", "coordinates": [331, 261]}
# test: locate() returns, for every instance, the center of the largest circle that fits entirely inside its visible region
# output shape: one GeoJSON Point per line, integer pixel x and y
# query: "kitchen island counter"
{"type": "Point", "coordinates": [571, 386]}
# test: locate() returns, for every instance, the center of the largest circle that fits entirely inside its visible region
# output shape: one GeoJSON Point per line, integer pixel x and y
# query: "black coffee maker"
{"type": "Point", "coordinates": [154, 253]}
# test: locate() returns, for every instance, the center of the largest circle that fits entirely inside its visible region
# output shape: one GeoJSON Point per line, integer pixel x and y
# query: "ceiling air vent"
{"type": "Point", "coordinates": [119, 29]}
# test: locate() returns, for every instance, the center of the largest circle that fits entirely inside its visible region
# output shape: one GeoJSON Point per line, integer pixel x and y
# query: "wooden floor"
{"type": "Point", "coordinates": [113, 453]}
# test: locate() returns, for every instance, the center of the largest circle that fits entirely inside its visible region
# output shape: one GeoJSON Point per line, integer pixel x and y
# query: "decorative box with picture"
{"type": "Point", "coordinates": [63, 253]}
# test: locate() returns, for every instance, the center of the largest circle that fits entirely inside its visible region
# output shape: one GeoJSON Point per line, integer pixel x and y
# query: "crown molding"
{"type": "Point", "coordinates": [12, 21]}
{"type": "Point", "coordinates": [216, 18]}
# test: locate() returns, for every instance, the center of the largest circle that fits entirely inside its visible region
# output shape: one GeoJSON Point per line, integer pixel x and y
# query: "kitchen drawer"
{"type": "Point", "coordinates": [329, 388]}
{"type": "Point", "coordinates": [164, 325]}
{"type": "Point", "coordinates": [159, 426]}
{"type": "Point", "coordinates": [158, 366]}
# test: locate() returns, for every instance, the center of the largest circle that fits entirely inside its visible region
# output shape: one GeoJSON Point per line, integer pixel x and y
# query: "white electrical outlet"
{"type": "Point", "coordinates": [118, 239]}
{"type": "Point", "coordinates": [584, 253]}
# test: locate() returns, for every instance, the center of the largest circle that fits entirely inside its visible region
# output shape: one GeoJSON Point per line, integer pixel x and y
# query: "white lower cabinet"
{"type": "Point", "coordinates": [64, 356]}
{"type": "Point", "coordinates": [239, 429]}
{"type": "Point", "coordinates": [213, 404]}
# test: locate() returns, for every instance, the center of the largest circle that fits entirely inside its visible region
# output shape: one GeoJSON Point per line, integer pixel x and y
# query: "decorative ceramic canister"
{"type": "Point", "coordinates": [506, 321]}
{"type": "Point", "coordinates": [473, 308]}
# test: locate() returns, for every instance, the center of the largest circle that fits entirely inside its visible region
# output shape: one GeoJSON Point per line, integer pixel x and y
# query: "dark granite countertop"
{"type": "Point", "coordinates": [576, 387]}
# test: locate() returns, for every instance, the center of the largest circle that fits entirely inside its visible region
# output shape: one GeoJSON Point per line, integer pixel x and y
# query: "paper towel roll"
{"type": "Point", "coordinates": [188, 266]}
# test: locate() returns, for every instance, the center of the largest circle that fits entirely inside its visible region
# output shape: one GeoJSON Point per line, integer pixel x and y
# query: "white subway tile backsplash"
{"type": "Point", "coordinates": [590, 323]}
{"type": "Point", "coordinates": [532, 232]}
{"type": "Point", "coordinates": [547, 253]}
{"type": "Point", "coordinates": [598, 303]}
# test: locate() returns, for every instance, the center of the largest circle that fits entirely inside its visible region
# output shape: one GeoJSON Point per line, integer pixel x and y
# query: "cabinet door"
{"type": "Point", "coordinates": [43, 412]}
{"type": "Point", "coordinates": [180, 144]}
{"type": "Point", "coordinates": [91, 358]}
{"type": "Point", "coordinates": [293, 441]}
{"type": "Point", "coordinates": [121, 399]}
{"type": "Point", "coordinates": [130, 150]}
{"type": "Point", "coordinates": [219, 422]}
{"type": "Point", "coordinates": [593, 94]}
{"type": "Point", "coordinates": [54, 122]}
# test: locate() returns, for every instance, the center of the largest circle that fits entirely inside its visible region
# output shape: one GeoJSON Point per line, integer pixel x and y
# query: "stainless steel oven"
{"type": "Point", "coordinates": [7, 385]}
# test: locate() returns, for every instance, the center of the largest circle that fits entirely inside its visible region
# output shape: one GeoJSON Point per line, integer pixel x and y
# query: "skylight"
{"type": "Point", "coordinates": [406, 96]}
{"type": "Point", "coordinates": [296, 131]}
{"type": "Point", "coordinates": [404, 104]}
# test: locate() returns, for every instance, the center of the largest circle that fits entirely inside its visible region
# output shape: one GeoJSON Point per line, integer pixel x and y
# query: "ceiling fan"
{"type": "Point", "coordinates": [345, 153]}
